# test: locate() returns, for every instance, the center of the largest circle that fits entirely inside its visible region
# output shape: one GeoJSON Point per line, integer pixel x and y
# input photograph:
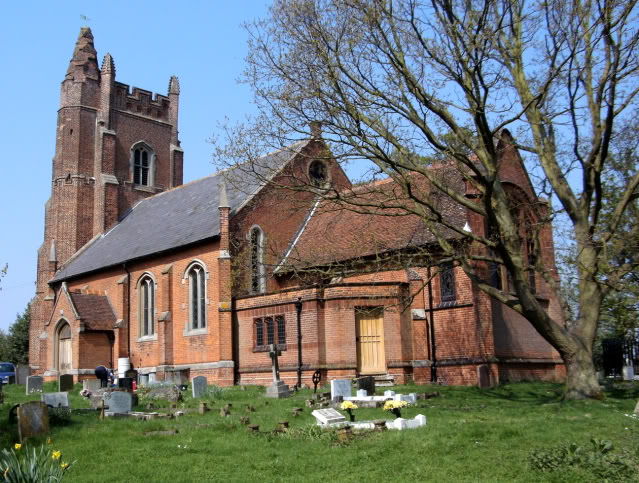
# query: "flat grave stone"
{"type": "Point", "coordinates": [55, 399]}
{"type": "Point", "coordinates": [118, 401]}
{"type": "Point", "coordinates": [91, 384]}
{"type": "Point", "coordinates": [65, 382]}
{"type": "Point", "coordinates": [34, 384]}
{"type": "Point", "coordinates": [340, 388]}
{"type": "Point", "coordinates": [401, 423]}
{"type": "Point", "coordinates": [326, 417]}
{"type": "Point", "coordinates": [367, 383]}
{"type": "Point", "coordinates": [33, 419]}
{"type": "Point", "coordinates": [22, 372]}
{"type": "Point", "coordinates": [199, 385]}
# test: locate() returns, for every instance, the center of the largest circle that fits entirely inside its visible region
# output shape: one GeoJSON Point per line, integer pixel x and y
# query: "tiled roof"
{"type": "Point", "coordinates": [175, 218]}
{"type": "Point", "coordinates": [337, 231]}
{"type": "Point", "coordinates": [94, 310]}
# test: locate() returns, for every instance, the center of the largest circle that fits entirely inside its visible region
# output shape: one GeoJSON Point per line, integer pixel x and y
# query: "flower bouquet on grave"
{"type": "Point", "coordinates": [348, 406]}
{"type": "Point", "coordinates": [395, 407]}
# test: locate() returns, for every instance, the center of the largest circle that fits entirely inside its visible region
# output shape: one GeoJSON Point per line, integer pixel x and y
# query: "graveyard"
{"type": "Point", "coordinates": [205, 433]}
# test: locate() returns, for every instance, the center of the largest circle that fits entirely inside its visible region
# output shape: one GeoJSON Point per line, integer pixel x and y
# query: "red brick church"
{"type": "Point", "coordinates": [199, 278]}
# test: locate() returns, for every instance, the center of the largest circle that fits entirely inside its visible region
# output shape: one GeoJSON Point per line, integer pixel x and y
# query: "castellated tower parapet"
{"type": "Point", "coordinates": [115, 145]}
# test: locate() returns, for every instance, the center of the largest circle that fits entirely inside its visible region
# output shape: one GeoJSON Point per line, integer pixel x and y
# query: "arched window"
{"type": "Point", "coordinates": [64, 361]}
{"type": "Point", "coordinates": [142, 161]}
{"type": "Point", "coordinates": [257, 260]}
{"type": "Point", "coordinates": [447, 282]}
{"type": "Point", "coordinates": [197, 297]}
{"type": "Point", "coordinates": [146, 301]}
{"type": "Point", "coordinates": [318, 173]}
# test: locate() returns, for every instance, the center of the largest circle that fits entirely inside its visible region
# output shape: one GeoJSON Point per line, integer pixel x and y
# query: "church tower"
{"type": "Point", "coordinates": [114, 146]}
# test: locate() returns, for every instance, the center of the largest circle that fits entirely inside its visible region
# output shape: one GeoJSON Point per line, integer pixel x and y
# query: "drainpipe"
{"type": "Point", "coordinates": [433, 367]}
{"type": "Point", "coordinates": [298, 308]}
{"type": "Point", "coordinates": [128, 311]}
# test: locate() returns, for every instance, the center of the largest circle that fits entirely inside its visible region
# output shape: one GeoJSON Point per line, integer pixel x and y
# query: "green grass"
{"type": "Point", "coordinates": [471, 435]}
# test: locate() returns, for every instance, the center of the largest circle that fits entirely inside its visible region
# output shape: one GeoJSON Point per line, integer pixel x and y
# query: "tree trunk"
{"type": "Point", "coordinates": [581, 380]}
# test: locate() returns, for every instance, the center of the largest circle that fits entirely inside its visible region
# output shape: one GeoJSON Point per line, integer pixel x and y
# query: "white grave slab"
{"type": "Point", "coordinates": [362, 393]}
{"type": "Point", "coordinates": [389, 394]}
{"type": "Point", "coordinates": [409, 398]}
{"type": "Point", "coordinates": [401, 423]}
{"type": "Point", "coordinates": [326, 417]}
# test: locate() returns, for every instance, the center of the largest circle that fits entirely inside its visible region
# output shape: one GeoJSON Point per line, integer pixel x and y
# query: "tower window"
{"type": "Point", "coordinates": [142, 162]}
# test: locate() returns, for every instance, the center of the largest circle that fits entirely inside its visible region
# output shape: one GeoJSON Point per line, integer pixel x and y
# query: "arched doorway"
{"type": "Point", "coordinates": [64, 347]}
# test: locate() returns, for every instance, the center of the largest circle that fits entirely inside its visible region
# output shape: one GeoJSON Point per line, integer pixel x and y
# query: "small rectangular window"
{"type": "Point", "coordinates": [259, 332]}
{"type": "Point", "coordinates": [270, 331]}
{"type": "Point", "coordinates": [281, 329]}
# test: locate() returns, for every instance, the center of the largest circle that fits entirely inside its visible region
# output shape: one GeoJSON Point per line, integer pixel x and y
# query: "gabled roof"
{"type": "Point", "coordinates": [336, 231]}
{"type": "Point", "coordinates": [95, 311]}
{"type": "Point", "coordinates": [179, 217]}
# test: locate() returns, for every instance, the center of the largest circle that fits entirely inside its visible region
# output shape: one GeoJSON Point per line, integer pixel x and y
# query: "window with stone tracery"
{"type": "Point", "coordinates": [447, 282]}
{"type": "Point", "coordinates": [142, 164]}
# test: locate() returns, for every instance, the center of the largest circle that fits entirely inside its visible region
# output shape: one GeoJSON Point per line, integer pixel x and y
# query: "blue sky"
{"type": "Point", "coordinates": [202, 43]}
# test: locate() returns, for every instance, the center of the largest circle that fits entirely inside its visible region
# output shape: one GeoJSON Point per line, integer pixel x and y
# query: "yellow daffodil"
{"type": "Point", "coordinates": [56, 455]}
{"type": "Point", "coordinates": [49, 441]}
{"type": "Point", "coordinates": [346, 405]}
{"type": "Point", "coordinates": [17, 446]}
{"type": "Point", "coordinates": [390, 405]}
{"type": "Point", "coordinates": [64, 466]}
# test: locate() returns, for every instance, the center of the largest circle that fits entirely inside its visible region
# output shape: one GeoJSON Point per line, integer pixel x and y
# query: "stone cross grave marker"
{"type": "Point", "coordinates": [199, 385]}
{"type": "Point", "coordinates": [65, 382]}
{"type": "Point", "coordinates": [328, 416]}
{"type": "Point", "coordinates": [340, 388]}
{"type": "Point", "coordinates": [55, 399]}
{"type": "Point", "coordinates": [278, 389]}
{"type": "Point", "coordinates": [118, 401]}
{"type": "Point", "coordinates": [34, 384]}
{"type": "Point", "coordinates": [317, 378]}
{"type": "Point", "coordinates": [33, 419]}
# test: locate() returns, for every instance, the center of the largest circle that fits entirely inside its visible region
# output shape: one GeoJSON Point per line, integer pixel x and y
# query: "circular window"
{"type": "Point", "coordinates": [318, 173]}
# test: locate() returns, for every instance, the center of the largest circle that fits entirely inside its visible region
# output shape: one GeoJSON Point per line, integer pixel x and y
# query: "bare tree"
{"type": "Point", "coordinates": [402, 82]}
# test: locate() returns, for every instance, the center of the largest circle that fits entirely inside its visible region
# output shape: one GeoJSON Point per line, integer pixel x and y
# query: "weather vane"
{"type": "Point", "coordinates": [85, 18]}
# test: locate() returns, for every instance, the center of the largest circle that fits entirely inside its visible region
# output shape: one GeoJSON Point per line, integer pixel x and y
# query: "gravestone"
{"type": "Point", "coordinates": [483, 376]}
{"type": "Point", "coordinates": [132, 373]}
{"type": "Point", "coordinates": [340, 388]}
{"type": "Point", "coordinates": [34, 384]}
{"type": "Point", "coordinates": [199, 385]}
{"type": "Point", "coordinates": [91, 384]}
{"type": "Point", "coordinates": [367, 383]}
{"type": "Point", "coordinates": [278, 389]}
{"type": "Point", "coordinates": [126, 383]}
{"type": "Point", "coordinates": [118, 401]}
{"type": "Point", "coordinates": [409, 398]}
{"type": "Point", "coordinates": [12, 380]}
{"type": "Point", "coordinates": [362, 393]}
{"type": "Point", "coordinates": [33, 419]}
{"type": "Point", "coordinates": [22, 372]}
{"type": "Point", "coordinates": [328, 416]}
{"type": "Point", "coordinates": [55, 399]}
{"type": "Point", "coordinates": [65, 382]}
{"type": "Point", "coordinates": [317, 378]}
{"type": "Point", "coordinates": [144, 379]}
{"type": "Point", "coordinates": [389, 394]}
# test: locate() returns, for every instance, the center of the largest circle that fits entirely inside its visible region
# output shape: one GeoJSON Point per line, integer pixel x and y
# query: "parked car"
{"type": "Point", "coordinates": [6, 369]}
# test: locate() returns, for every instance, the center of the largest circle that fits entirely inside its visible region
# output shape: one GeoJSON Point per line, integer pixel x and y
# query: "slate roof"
{"type": "Point", "coordinates": [94, 310]}
{"type": "Point", "coordinates": [336, 232]}
{"type": "Point", "coordinates": [175, 218]}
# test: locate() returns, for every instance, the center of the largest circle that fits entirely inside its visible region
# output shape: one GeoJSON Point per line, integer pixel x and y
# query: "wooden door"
{"type": "Point", "coordinates": [64, 349]}
{"type": "Point", "coordinates": [370, 342]}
